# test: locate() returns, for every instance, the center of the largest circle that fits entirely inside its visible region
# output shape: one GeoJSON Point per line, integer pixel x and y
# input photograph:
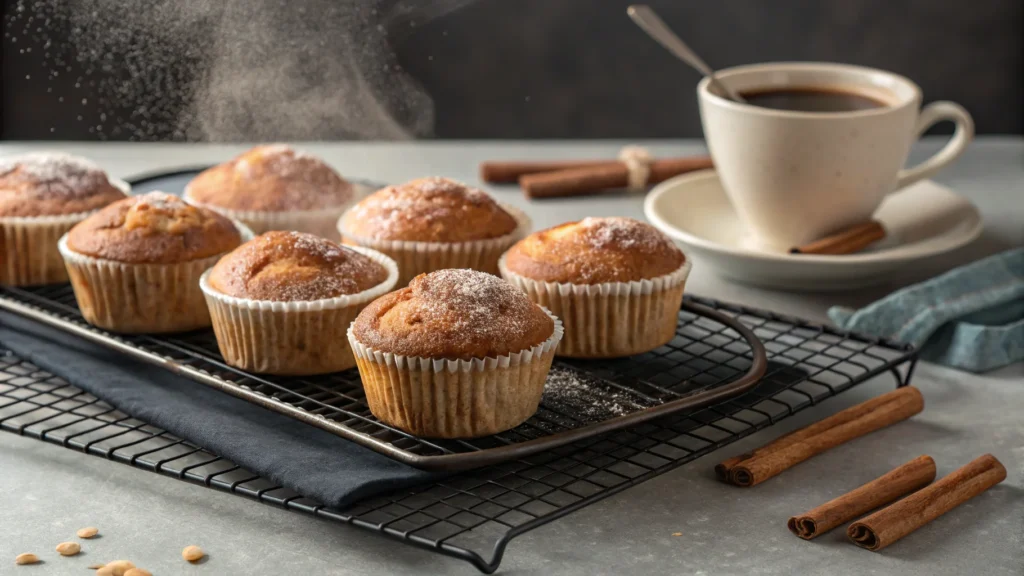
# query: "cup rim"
{"type": "Point", "coordinates": [705, 93]}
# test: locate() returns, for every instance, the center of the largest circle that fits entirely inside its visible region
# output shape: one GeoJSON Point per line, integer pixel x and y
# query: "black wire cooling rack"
{"type": "Point", "coordinates": [474, 515]}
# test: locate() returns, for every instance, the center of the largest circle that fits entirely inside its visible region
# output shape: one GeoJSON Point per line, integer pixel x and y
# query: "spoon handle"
{"type": "Point", "coordinates": [655, 27]}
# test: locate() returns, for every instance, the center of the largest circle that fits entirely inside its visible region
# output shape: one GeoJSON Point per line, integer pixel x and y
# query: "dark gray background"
{"type": "Point", "coordinates": [581, 69]}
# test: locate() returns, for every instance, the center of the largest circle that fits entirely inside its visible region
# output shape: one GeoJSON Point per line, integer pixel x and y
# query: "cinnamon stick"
{"type": "Point", "coordinates": [848, 241]}
{"type": "Point", "coordinates": [903, 480]}
{"type": "Point", "coordinates": [503, 172]}
{"type": "Point", "coordinates": [588, 179]}
{"type": "Point", "coordinates": [784, 453]}
{"type": "Point", "coordinates": [897, 520]}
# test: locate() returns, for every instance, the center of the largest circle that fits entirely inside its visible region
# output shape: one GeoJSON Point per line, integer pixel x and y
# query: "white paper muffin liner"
{"type": "Point", "coordinates": [321, 222]}
{"type": "Point", "coordinates": [439, 398]}
{"type": "Point", "coordinates": [140, 298]}
{"type": "Point", "coordinates": [415, 258]}
{"type": "Point", "coordinates": [612, 319]}
{"type": "Point", "coordinates": [28, 245]}
{"type": "Point", "coordinates": [291, 338]}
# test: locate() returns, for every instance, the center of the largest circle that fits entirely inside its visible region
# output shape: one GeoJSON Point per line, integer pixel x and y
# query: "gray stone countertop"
{"type": "Point", "coordinates": [47, 492]}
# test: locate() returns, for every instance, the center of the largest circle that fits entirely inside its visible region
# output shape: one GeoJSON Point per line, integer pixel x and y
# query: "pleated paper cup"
{"type": "Point", "coordinates": [321, 222]}
{"type": "Point", "coordinates": [291, 338]}
{"type": "Point", "coordinates": [613, 319]}
{"type": "Point", "coordinates": [415, 258]}
{"type": "Point", "coordinates": [28, 246]}
{"type": "Point", "coordinates": [140, 298]}
{"type": "Point", "coordinates": [438, 398]}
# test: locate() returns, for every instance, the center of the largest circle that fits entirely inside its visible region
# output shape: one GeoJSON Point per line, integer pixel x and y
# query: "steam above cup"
{"type": "Point", "coordinates": [794, 176]}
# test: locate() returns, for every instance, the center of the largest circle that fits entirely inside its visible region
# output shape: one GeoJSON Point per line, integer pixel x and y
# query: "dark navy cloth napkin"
{"type": "Point", "coordinates": [310, 461]}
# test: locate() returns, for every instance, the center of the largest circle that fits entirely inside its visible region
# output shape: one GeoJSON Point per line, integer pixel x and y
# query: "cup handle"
{"type": "Point", "coordinates": [930, 115]}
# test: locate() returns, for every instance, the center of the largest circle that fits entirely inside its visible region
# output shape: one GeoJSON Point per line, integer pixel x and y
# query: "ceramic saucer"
{"type": "Point", "coordinates": [923, 220]}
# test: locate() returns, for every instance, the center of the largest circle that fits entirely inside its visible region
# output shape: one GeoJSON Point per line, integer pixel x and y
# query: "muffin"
{"type": "Point", "coordinates": [432, 224]}
{"type": "Point", "coordinates": [616, 283]}
{"type": "Point", "coordinates": [282, 302]}
{"type": "Point", "coordinates": [274, 187]}
{"type": "Point", "coordinates": [456, 354]}
{"type": "Point", "coordinates": [135, 265]}
{"type": "Point", "coordinates": [42, 195]}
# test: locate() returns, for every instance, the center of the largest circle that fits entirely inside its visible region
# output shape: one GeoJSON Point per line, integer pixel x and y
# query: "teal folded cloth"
{"type": "Point", "coordinates": [971, 318]}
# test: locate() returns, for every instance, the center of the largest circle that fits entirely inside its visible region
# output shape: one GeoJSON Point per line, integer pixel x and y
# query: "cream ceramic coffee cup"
{"type": "Point", "coordinates": [794, 177]}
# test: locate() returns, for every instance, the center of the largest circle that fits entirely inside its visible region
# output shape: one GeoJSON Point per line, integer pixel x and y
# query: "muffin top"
{"type": "Point", "coordinates": [273, 178]}
{"type": "Point", "coordinates": [429, 210]}
{"type": "Point", "coordinates": [595, 251]}
{"type": "Point", "coordinates": [52, 183]}
{"type": "Point", "coordinates": [453, 314]}
{"type": "Point", "coordinates": [153, 228]}
{"type": "Point", "coordinates": [292, 267]}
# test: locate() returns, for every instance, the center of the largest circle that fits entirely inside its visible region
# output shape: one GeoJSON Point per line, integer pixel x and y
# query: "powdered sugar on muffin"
{"type": "Point", "coordinates": [280, 158]}
{"type": "Point", "coordinates": [271, 178]}
{"type": "Point", "coordinates": [49, 183]}
{"type": "Point", "coordinates": [454, 314]}
{"type": "Point", "coordinates": [623, 233]}
{"type": "Point", "coordinates": [50, 166]}
{"type": "Point", "coordinates": [429, 210]}
{"type": "Point", "coordinates": [473, 301]}
{"type": "Point", "coordinates": [154, 228]}
{"type": "Point", "coordinates": [293, 267]}
{"type": "Point", "coordinates": [595, 251]}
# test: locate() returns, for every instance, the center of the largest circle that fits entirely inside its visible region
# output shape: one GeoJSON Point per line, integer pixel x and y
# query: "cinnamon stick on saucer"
{"type": "Point", "coordinates": [909, 477]}
{"type": "Point", "coordinates": [788, 451]}
{"type": "Point", "coordinates": [896, 521]}
{"type": "Point", "coordinates": [589, 179]}
{"type": "Point", "coordinates": [849, 241]}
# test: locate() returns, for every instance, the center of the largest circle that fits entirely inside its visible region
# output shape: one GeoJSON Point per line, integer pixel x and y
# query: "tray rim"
{"type": "Point", "coordinates": [441, 463]}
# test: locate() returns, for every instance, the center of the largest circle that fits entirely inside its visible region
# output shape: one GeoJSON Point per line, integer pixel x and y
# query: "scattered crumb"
{"type": "Point", "coordinates": [115, 568]}
{"type": "Point", "coordinates": [193, 553]}
{"type": "Point", "coordinates": [26, 558]}
{"type": "Point", "coordinates": [68, 548]}
{"type": "Point", "coordinates": [677, 533]}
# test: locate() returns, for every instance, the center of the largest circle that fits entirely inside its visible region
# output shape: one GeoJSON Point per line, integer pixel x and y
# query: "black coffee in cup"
{"type": "Point", "coordinates": [813, 99]}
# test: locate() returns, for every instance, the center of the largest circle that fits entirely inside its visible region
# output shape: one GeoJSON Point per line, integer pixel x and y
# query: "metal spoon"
{"type": "Point", "coordinates": [655, 27]}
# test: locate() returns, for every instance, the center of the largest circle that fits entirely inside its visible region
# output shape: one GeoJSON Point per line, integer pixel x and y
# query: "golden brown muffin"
{"type": "Point", "coordinates": [273, 178]}
{"type": "Point", "coordinates": [456, 354]}
{"type": "Point", "coordinates": [453, 314]}
{"type": "Point", "coordinates": [615, 283]}
{"type": "Point", "coordinates": [294, 266]}
{"type": "Point", "coordinates": [595, 251]}
{"type": "Point", "coordinates": [429, 210]}
{"type": "Point", "coordinates": [153, 228]}
{"type": "Point", "coordinates": [282, 303]}
{"type": "Point", "coordinates": [135, 265]}
{"type": "Point", "coordinates": [51, 183]}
